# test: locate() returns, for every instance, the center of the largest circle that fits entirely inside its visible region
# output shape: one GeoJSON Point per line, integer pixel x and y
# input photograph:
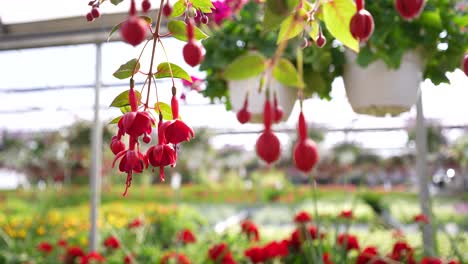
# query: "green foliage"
{"type": "Point", "coordinates": [246, 66]}
{"type": "Point", "coordinates": [178, 30]}
{"type": "Point", "coordinates": [165, 69]}
{"type": "Point", "coordinates": [127, 70]}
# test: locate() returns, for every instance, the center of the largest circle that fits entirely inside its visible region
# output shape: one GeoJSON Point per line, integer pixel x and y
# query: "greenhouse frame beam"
{"type": "Point", "coordinates": [61, 32]}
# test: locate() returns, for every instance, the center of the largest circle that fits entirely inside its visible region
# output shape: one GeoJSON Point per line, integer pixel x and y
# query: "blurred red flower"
{"type": "Point", "coordinates": [431, 260]}
{"type": "Point", "coordinates": [302, 218]}
{"type": "Point", "coordinates": [346, 214]}
{"type": "Point", "coordinates": [137, 222]}
{"type": "Point", "coordinates": [179, 258]}
{"type": "Point", "coordinates": [112, 243]}
{"type": "Point", "coordinates": [251, 230]}
{"type": "Point", "coordinates": [350, 241]}
{"type": "Point", "coordinates": [93, 257]}
{"type": "Point", "coordinates": [45, 247]}
{"type": "Point", "coordinates": [421, 218]}
{"type": "Point", "coordinates": [186, 236]}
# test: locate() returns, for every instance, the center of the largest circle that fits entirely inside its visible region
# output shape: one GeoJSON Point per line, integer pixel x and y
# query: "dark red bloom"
{"type": "Point", "coordinates": [421, 218]}
{"type": "Point", "coordinates": [136, 124]}
{"type": "Point", "coordinates": [251, 230]}
{"type": "Point", "coordinates": [305, 154]}
{"type": "Point", "coordinates": [117, 145]}
{"type": "Point", "coordinates": [268, 147]}
{"type": "Point", "coordinates": [72, 254]}
{"type": "Point", "coordinates": [465, 64]}
{"type": "Point", "coordinates": [302, 217]}
{"type": "Point", "coordinates": [299, 235]}
{"type": "Point", "coordinates": [179, 258]}
{"type": "Point", "coordinates": [45, 247]}
{"type": "Point", "coordinates": [361, 25]}
{"type": "Point", "coordinates": [346, 214]}
{"type": "Point", "coordinates": [195, 84]}
{"type": "Point", "coordinates": [62, 243]}
{"type": "Point", "coordinates": [92, 257]}
{"type": "Point", "coordinates": [453, 261]}
{"type": "Point", "coordinates": [176, 131]}
{"type": "Point", "coordinates": [431, 260]}
{"type": "Point", "coordinates": [409, 9]}
{"type": "Point", "coordinates": [162, 155]}
{"type": "Point", "coordinates": [327, 258]}
{"type": "Point", "coordinates": [349, 241]}
{"type": "Point", "coordinates": [112, 243]}
{"type": "Point", "coordinates": [366, 255]}
{"type": "Point", "coordinates": [276, 249]}
{"type": "Point", "coordinates": [128, 259]}
{"type": "Point", "coordinates": [219, 252]}
{"type": "Point", "coordinates": [137, 222]}
{"type": "Point", "coordinates": [255, 254]}
{"type": "Point", "coordinates": [402, 252]}
{"type": "Point", "coordinates": [132, 162]}
{"type": "Point", "coordinates": [186, 236]}
{"type": "Point", "coordinates": [243, 116]}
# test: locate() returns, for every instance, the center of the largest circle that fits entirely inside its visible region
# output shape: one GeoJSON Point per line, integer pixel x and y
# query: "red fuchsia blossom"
{"type": "Point", "coordinates": [348, 240]}
{"type": "Point", "coordinates": [179, 258]}
{"type": "Point", "coordinates": [73, 253]}
{"type": "Point", "coordinates": [276, 249]}
{"type": "Point", "coordinates": [133, 161]}
{"type": "Point", "coordinates": [362, 23]}
{"type": "Point", "coordinates": [327, 258]}
{"type": "Point", "coordinates": [409, 9]}
{"type": "Point", "coordinates": [366, 255]}
{"type": "Point", "coordinates": [302, 217]}
{"type": "Point", "coordinates": [421, 218]}
{"type": "Point", "coordinates": [176, 131]}
{"type": "Point", "coordinates": [221, 11]}
{"type": "Point", "coordinates": [195, 84]}
{"type": "Point", "coordinates": [431, 260]}
{"type": "Point", "coordinates": [136, 124]}
{"type": "Point", "coordinates": [255, 254]}
{"type": "Point", "coordinates": [112, 243]}
{"type": "Point", "coordinates": [299, 235]}
{"type": "Point", "coordinates": [93, 257]}
{"type": "Point", "coordinates": [134, 29]}
{"type": "Point", "coordinates": [161, 155]}
{"type": "Point", "coordinates": [346, 214]}
{"type": "Point", "coordinates": [186, 237]}
{"type": "Point", "coordinates": [137, 222]}
{"type": "Point", "coordinates": [45, 247]}
{"type": "Point", "coordinates": [220, 253]}
{"type": "Point", "coordinates": [305, 154]}
{"type": "Point", "coordinates": [402, 252]}
{"type": "Point", "coordinates": [62, 243]}
{"type": "Point", "coordinates": [268, 147]}
{"type": "Point", "coordinates": [251, 230]}
{"type": "Point", "coordinates": [117, 145]}
{"type": "Point", "coordinates": [128, 259]}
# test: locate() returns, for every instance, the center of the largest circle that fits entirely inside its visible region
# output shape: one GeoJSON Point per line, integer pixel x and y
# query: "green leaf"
{"type": "Point", "coordinates": [125, 70]}
{"type": "Point", "coordinates": [117, 27]}
{"type": "Point", "coordinates": [164, 72]}
{"type": "Point", "coordinates": [115, 120]}
{"type": "Point", "coordinates": [116, 2]}
{"type": "Point", "coordinates": [337, 15]}
{"type": "Point", "coordinates": [178, 8]}
{"type": "Point", "coordinates": [178, 30]}
{"type": "Point", "coordinates": [290, 28]}
{"type": "Point", "coordinates": [271, 21]}
{"type": "Point", "coordinates": [125, 109]}
{"type": "Point", "coordinates": [245, 66]}
{"type": "Point", "coordinates": [431, 19]}
{"type": "Point", "coordinates": [204, 5]}
{"type": "Point", "coordinates": [122, 99]}
{"type": "Point", "coordinates": [461, 21]}
{"type": "Point", "coordinates": [166, 110]}
{"type": "Point", "coordinates": [285, 72]}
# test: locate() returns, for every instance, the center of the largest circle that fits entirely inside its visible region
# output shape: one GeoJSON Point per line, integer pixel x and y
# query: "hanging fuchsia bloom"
{"type": "Point", "coordinates": [409, 9]}
{"type": "Point", "coordinates": [162, 154]}
{"type": "Point", "coordinates": [176, 131]}
{"type": "Point", "coordinates": [268, 146]}
{"type": "Point", "coordinates": [93, 257]}
{"type": "Point", "coordinates": [350, 241]}
{"type": "Point", "coordinates": [221, 11]}
{"type": "Point", "coordinates": [346, 214]}
{"type": "Point", "coordinates": [112, 243]}
{"type": "Point", "coordinates": [421, 218]}
{"type": "Point", "coordinates": [117, 145]}
{"type": "Point", "coordinates": [132, 161]}
{"type": "Point", "coordinates": [302, 217]}
{"type": "Point", "coordinates": [45, 247]}
{"type": "Point", "coordinates": [136, 124]}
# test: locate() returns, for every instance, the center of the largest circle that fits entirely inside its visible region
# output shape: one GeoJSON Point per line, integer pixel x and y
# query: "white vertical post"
{"type": "Point", "coordinates": [96, 158]}
{"type": "Point", "coordinates": [422, 174]}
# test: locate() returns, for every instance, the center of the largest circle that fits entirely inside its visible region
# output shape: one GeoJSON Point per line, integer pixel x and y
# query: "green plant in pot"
{"type": "Point", "coordinates": [385, 76]}
{"type": "Point", "coordinates": [247, 41]}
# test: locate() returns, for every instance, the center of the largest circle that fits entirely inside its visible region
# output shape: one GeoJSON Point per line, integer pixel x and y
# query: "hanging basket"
{"type": "Point", "coordinates": [378, 90]}
{"type": "Point", "coordinates": [237, 90]}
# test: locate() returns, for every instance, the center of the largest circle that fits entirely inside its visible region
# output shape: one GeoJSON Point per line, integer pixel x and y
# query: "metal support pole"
{"type": "Point", "coordinates": [422, 174]}
{"type": "Point", "coordinates": [96, 158]}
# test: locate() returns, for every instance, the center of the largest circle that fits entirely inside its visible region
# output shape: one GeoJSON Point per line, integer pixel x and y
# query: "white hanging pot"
{"type": "Point", "coordinates": [238, 88]}
{"type": "Point", "coordinates": [378, 90]}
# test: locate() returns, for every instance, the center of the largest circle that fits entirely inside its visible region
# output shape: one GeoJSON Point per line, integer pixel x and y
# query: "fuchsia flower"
{"type": "Point", "coordinates": [349, 241]}
{"type": "Point", "coordinates": [251, 230]}
{"type": "Point", "coordinates": [112, 243]}
{"type": "Point", "coordinates": [93, 257]}
{"type": "Point", "coordinates": [221, 11]}
{"type": "Point", "coordinates": [136, 124]}
{"type": "Point", "coordinates": [179, 258]}
{"type": "Point", "coordinates": [45, 247]}
{"type": "Point", "coordinates": [346, 214]}
{"type": "Point", "coordinates": [186, 236]}
{"type": "Point", "coordinates": [421, 218]}
{"type": "Point", "coordinates": [302, 217]}
{"type": "Point", "coordinates": [162, 154]}
{"type": "Point", "coordinates": [132, 161]}
{"type": "Point", "coordinates": [194, 84]}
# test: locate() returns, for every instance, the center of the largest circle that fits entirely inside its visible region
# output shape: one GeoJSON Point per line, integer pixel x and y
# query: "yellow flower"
{"type": "Point", "coordinates": [40, 230]}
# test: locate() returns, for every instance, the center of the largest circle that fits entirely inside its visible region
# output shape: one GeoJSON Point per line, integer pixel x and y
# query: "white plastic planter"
{"type": "Point", "coordinates": [238, 89]}
{"type": "Point", "coordinates": [378, 90]}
